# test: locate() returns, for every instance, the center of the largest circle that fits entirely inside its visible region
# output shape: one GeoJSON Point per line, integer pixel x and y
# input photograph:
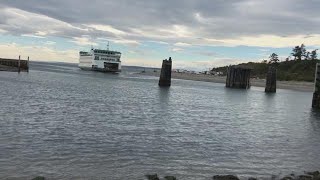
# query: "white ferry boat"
{"type": "Point", "coordinates": [100, 60]}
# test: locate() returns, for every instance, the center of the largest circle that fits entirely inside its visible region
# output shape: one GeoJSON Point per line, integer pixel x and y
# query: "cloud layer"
{"type": "Point", "coordinates": [174, 21]}
{"type": "Point", "coordinates": [177, 23]}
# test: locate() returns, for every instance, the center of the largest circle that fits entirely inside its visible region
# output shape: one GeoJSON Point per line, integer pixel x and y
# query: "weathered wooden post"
{"type": "Point", "coordinates": [165, 76]}
{"type": "Point", "coordinates": [271, 80]}
{"type": "Point", "coordinates": [316, 94]}
{"type": "Point", "coordinates": [28, 64]}
{"type": "Point", "coordinates": [238, 77]}
{"type": "Point", "coordinates": [19, 65]}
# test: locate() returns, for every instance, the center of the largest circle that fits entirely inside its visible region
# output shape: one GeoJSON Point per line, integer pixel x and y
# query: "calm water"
{"type": "Point", "coordinates": [64, 123]}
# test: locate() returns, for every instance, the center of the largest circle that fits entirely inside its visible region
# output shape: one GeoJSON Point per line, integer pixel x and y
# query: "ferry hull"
{"type": "Point", "coordinates": [100, 70]}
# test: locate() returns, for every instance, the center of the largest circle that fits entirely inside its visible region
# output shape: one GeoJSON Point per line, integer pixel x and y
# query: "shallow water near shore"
{"type": "Point", "coordinates": [64, 123]}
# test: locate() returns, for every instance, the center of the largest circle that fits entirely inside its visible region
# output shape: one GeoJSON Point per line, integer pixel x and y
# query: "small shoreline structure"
{"type": "Point", "coordinates": [14, 65]}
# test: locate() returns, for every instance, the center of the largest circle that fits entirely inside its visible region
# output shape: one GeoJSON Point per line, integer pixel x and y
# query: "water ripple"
{"type": "Point", "coordinates": [69, 124]}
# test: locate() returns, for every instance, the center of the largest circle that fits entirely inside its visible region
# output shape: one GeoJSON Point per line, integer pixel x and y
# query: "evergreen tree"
{"type": "Point", "coordinates": [274, 59]}
{"type": "Point", "coordinates": [307, 56]}
{"type": "Point", "coordinates": [298, 52]}
{"type": "Point", "coordinates": [314, 55]}
{"type": "Point", "coordinates": [288, 58]}
{"type": "Point", "coordinates": [304, 51]}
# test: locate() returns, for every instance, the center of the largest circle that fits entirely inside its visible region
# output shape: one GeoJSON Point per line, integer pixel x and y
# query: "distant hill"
{"type": "Point", "coordinates": [287, 70]}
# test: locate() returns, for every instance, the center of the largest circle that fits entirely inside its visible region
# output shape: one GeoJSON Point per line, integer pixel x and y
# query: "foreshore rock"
{"type": "Point", "coordinates": [170, 178]}
{"type": "Point", "coordinates": [314, 175]}
{"type": "Point", "coordinates": [225, 177]}
{"type": "Point", "coordinates": [251, 178]}
{"type": "Point", "coordinates": [39, 178]}
{"type": "Point", "coordinates": [153, 177]}
{"type": "Point", "coordinates": [287, 178]}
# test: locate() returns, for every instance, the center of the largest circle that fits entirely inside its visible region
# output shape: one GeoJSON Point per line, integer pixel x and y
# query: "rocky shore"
{"type": "Point", "coordinates": [313, 175]}
{"type": "Point", "coordinates": [292, 85]}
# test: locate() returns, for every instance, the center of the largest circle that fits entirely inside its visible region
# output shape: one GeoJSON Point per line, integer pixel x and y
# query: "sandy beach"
{"type": "Point", "coordinates": [292, 85]}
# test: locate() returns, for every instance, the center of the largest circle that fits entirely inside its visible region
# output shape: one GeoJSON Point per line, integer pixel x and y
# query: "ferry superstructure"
{"type": "Point", "coordinates": [100, 60]}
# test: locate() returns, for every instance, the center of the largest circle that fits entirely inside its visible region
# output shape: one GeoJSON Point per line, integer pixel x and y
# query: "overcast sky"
{"type": "Point", "coordinates": [196, 33]}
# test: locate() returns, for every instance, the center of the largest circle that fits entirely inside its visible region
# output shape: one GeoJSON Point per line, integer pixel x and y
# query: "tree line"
{"type": "Point", "coordinates": [299, 53]}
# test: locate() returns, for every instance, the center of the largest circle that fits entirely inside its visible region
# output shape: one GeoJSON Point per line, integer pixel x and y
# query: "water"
{"type": "Point", "coordinates": [64, 123]}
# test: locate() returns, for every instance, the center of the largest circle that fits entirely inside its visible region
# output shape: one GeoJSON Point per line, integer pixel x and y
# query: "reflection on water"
{"type": "Point", "coordinates": [315, 113]}
{"type": "Point", "coordinates": [64, 123]}
{"type": "Point", "coordinates": [315, 119]}
{"type": "Point", "coordinates": [164, 95]}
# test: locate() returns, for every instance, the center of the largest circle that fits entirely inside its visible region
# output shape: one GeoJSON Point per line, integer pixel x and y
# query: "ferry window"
{"type": "Point", "coordinates": [96, 58]}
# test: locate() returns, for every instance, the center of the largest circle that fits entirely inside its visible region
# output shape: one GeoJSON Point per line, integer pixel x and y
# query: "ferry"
{"type": "Point", "coordinates": [100, 60]}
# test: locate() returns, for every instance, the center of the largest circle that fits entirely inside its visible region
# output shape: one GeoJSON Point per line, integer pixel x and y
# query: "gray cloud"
{"type": "Point", "coordinates": [148, 19]}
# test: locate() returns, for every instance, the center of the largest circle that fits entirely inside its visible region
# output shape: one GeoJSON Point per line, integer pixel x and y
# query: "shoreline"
{"type": "Point", "coordinates": [312, 175]}
{"type": "Point", "coordinates": [290, 85]}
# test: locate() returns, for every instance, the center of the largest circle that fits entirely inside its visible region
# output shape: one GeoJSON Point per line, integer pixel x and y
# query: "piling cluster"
{"type": "Point", "coordinates": [238, 77]}
{"type": "Point", "coordinates": [165, 76]}
{"type": "Point", "coordinates": [271, 80]}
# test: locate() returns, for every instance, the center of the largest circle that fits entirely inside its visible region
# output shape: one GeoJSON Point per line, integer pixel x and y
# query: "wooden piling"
{"type": "Point", "coordinates": [271, 80]}
{"type": "Point", "coordinates": [316, 94]}
{"type": "Point", "coordinates": [28, 64]}
{"type": "Point", "coordinates": [19, 65]}
{"type": "Point", "coordinates": [238, 77]}
{"type": "Point", "coordinates": [165, 76]}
